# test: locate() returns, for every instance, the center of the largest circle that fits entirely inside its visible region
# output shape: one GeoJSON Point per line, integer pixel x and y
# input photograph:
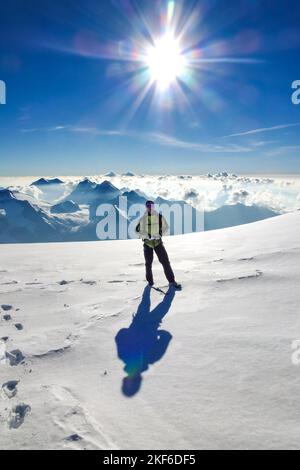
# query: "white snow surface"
{"type": "Point", "coordinates": [226, 379]}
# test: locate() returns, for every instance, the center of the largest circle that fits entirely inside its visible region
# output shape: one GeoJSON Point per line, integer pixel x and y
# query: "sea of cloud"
{"type": "Point", "coordinates": [209, 192]}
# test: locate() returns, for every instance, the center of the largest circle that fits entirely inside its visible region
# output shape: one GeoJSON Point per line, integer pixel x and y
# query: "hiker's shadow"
{"type": "Point", "coordinates": [143, 343]}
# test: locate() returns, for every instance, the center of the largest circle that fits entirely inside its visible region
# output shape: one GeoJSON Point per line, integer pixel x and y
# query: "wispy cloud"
{"type": "Point", "coordinates": [57, 128]}
{"type": "Point", "coordinates": [264, 129]}
{"type": "Point", "coordinates": [152, 137]}
{"type": "Point", "coordinates": [44, 129]}
{"type": "Point", "coordinates": [29, 130]}
{"type": "Point", "coordinates": [70, 128]}
{"type": "Point", "coordinates": [169, 141]}
{"type": "Point", "coordinates": [95, 131]}
{"type": "Point", "coordinates": [165, 140]}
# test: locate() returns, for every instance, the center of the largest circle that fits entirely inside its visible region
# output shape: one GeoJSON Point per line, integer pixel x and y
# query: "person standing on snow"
{"type": "Point", "coordinates": [151, 227]}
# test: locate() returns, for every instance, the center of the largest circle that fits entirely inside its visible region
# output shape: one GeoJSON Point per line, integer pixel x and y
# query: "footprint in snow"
{"type": "Point", "coordinates": [6, 307]}
{"type": "Point", "coordinates": [10, 388]}
{"type": "Point", "coordinates": [15, 357]}
{"type": "Point", "coordinates": [64, 283]}
{"type": "Point", "coordinates": [7, 317]}
{"type": "Point", "coordinates": [89, 283]}
{"type": "Point", "coordinates": [17, 415]}
{"type": "Point", "coordinates": [250, 276]}
{"type": "Point", "coordinates": [19, 326]}
{"type": "Point", "coordinates": [73, 438]}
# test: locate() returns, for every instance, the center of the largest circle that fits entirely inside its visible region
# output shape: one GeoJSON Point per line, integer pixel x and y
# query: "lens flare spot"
{"type": "Point", "coordinates": [165, 62]}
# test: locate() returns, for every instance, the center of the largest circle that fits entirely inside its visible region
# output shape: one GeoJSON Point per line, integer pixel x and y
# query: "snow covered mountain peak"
{"type": "Point", "coordinates": [6, 195]}
{"type": "Point", "coordinates": [107, 186]}
{"type": "Point", "coordinates": [47, 182]}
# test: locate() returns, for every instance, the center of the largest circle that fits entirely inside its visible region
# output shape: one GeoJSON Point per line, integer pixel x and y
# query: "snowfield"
{"type": "Point", "coordinates": [209, 367]}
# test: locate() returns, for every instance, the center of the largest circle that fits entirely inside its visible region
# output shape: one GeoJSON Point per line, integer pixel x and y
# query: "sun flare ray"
{"type": "Point", "coordinates": [166, 61]}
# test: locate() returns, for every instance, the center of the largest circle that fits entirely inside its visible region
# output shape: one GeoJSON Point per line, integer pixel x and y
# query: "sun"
{"type": "Point", "coordinates": [165, 62]}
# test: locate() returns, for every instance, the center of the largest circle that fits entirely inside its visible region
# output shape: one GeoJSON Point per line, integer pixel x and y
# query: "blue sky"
{"type": "Point", "coordinates": [80, 98]}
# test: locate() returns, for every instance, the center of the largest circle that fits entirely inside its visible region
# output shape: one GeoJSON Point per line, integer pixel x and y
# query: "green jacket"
{"type": "Point", "coordinates": [151, 228]}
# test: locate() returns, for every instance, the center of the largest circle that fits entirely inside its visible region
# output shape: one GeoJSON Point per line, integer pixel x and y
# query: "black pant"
{"type": "Point", "coordinates": [163, 259]}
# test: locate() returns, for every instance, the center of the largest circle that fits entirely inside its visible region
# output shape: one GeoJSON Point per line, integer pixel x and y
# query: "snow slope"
{"type": "Point", "coordinates": [217, 370]}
